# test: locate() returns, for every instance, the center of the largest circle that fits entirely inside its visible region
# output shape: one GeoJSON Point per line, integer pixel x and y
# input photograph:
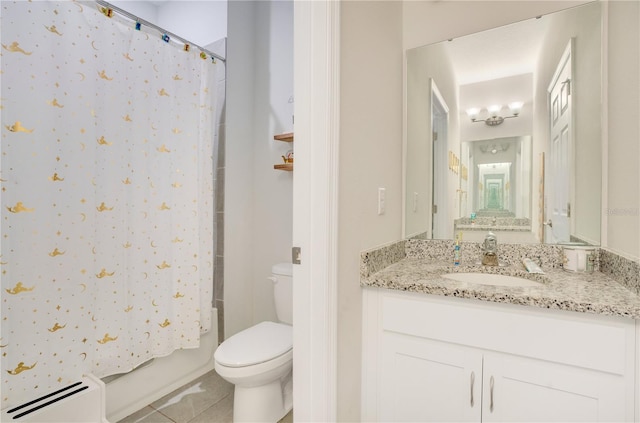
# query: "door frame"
{"type": "Point", "coordinates": [315, 208]}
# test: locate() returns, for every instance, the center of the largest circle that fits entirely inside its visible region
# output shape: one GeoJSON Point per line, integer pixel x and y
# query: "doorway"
{"type": "Point", "coordinates": [439, 142]}
{"type": "Point", "coordinates": [558, 210]}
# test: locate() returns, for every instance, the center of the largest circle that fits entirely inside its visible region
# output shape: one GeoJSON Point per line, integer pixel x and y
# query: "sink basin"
{"type": "Point", "coordinates": [491, 279]}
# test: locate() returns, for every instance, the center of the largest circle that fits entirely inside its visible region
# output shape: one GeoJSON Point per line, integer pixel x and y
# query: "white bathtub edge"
{"type": "Point", "coordinates": [136, 390]}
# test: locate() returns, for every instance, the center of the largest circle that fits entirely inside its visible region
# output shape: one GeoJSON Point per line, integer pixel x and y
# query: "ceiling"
{"type": "Point", "coordinates": [497, 53]}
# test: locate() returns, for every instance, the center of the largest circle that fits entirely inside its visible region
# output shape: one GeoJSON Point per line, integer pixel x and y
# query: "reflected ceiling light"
{"type": "Point", "coordinates": [494, 148]}
{"type": "Point", "coordinates": [494, 118]}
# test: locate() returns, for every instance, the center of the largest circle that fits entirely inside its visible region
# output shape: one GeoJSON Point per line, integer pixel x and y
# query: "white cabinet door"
{"type": "Point", "coordinates": [428, 381]}
{"type": "Point", "coordinates": [445, 360]}
{"type": "Point", "coordinates": [517, 389]}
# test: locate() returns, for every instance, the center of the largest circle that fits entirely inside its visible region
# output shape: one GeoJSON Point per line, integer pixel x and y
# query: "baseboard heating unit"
{"type": "Point", "coordinates": [80, 402]}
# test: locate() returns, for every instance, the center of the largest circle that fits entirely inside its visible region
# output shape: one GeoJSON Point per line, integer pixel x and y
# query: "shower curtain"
{"type": "Point", "coordinates": [107, 194]}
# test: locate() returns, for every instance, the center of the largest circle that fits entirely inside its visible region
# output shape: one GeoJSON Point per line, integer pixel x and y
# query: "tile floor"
{"type": "Point", "coordinates": [208, 399]}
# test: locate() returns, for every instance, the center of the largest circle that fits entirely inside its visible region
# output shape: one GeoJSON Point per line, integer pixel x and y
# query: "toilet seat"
{"type": "Point", "coordinates": [257, 344]}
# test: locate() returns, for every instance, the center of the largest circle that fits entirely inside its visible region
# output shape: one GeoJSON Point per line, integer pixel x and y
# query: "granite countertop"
{"type": "Point", "coordinates": [559, 289]}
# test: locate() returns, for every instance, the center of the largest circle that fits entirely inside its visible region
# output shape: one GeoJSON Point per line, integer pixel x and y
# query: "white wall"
{"type": "Point", "coordinates": [370, 157]}
{"type": "Point", "coordinates": [258, 199]}
{"type": "Point", "coordinates": [142, 9]}
{"type": "Point", "coordinates": [201, 22]}
{"type": "Point", "coordinates": [623, 184]}
{"type": "Point", "coordinates": [239, 167]}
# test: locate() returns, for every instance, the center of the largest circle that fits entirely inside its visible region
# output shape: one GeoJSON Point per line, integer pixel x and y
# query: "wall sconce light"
{"type": "Point", "coordinates": [494, 118]}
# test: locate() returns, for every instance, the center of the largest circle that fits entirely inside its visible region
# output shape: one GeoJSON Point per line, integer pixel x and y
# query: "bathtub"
{"type": "Point", "coordinates": [135, 390]}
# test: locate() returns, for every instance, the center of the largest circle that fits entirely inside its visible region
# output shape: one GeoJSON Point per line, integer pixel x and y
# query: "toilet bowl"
{"type": "Point", "coordinates": [259, 360]}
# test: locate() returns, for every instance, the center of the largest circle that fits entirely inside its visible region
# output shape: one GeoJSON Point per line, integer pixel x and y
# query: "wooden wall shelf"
{"type": "Point", "coordinates": [288, 137]}
{"type": "Point", "coordinates": [285, 166]}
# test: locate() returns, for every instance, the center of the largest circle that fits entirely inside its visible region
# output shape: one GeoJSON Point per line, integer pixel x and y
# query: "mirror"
{"type": "Point", "coordinates": [503, 132]}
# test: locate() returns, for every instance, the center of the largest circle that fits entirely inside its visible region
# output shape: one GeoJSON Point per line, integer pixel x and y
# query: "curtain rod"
{"type": "Point", "coordinates": [156, 27]}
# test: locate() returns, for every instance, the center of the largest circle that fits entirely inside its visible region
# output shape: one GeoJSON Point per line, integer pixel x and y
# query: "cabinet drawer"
{"type": "Point", "coordinates": [595, 342]}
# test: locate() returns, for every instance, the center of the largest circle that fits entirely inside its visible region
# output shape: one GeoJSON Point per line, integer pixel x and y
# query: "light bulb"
{"type": "Point", "coordinates": [473, 113]}
{"type": "Point", "coordinates": [493, 110]}
{"type": "Point", "coordinates": [516, 107]}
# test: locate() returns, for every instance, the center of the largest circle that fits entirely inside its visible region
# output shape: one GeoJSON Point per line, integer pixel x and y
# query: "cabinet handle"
{"type": "Point", "coordinates": [473, 379]}
{"type": "Point", "coordinates": [491, 383]}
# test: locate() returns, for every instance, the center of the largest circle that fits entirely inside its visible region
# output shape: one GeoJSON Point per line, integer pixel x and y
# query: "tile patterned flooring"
{"type": "Point", "coordinates": [208, 399]}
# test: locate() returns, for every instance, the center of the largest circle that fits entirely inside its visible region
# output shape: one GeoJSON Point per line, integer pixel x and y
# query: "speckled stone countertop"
{"type": "Point", "coordinates": [559, 289]}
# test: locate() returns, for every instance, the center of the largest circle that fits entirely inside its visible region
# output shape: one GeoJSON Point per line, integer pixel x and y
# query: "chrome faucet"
{"type": "Point", "coordinates": [490, 250]}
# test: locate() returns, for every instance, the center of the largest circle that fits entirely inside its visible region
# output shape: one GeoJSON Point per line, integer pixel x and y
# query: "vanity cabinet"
{"type": "Point", "coordinates": [430, 358]}
{"type": "Point", "coordinates": [524, 389]}
{"type": "Point", "coordinates": [427, 381]}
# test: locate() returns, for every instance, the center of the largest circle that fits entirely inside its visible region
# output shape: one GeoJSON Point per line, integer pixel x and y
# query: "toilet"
{"type": "Point", "coordinates": [259, 360]}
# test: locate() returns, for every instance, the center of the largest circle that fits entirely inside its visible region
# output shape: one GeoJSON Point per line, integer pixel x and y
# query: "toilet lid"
{"type": "Point", "coordinates": [257, 344]}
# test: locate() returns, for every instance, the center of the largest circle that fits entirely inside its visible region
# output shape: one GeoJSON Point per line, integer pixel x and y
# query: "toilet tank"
{"type": "Point", "coordinates": [283, 291]}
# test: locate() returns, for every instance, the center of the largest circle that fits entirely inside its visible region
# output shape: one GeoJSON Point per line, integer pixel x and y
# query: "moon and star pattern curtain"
{"type": "Point", "coordinates": [107, 195]}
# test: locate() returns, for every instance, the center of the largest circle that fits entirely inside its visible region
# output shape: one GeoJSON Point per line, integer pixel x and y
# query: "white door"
{"type": "Point", "coordinates": [558, 183]}
{"type": "Point", "coordinates": [428, 381]}
{"type": "Point", "coordinates": [440, 228]}
{"type": "Point", "coordinates": [518, 389]}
